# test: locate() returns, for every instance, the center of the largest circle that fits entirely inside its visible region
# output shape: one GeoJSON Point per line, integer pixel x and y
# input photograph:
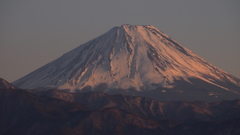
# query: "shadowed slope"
{"type": "Point", "coordinates": [181, 111]}
{"type": "Point", "coordinates": [6, 85]}
{"type": "Point", "coordinates": [24, 113]}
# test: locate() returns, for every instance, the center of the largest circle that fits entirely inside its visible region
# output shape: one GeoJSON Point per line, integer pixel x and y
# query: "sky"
{"type": "Point", "coordinates": [34, 33]}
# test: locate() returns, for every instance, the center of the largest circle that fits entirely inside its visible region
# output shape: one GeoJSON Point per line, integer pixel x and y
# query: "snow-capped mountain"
{"type": "Point", "coordinates": [132, 58]}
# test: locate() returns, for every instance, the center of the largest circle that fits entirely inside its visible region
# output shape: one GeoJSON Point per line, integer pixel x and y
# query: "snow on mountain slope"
{"type": "Point", "coordinates": [129, 56]}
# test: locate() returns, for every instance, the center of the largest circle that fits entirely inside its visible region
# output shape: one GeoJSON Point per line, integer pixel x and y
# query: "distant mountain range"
{"type": "Point", "coordinates": [135, 60]}
{"type": "Point", "coordinates": [55, 112]}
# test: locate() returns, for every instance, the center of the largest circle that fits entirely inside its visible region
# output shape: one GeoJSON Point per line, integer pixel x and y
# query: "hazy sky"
{"type": "Point", "coordinates": [33, 33]}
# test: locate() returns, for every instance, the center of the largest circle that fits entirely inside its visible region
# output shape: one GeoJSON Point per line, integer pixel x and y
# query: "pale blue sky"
{"type": "Point", "coordinates": [33, 33]}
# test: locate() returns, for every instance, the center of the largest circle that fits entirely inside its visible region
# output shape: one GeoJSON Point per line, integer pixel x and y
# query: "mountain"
{"type": "Point", "coordinates": [135, 60]}
{"type": "Point", "coordinates": [6, 85]}
{"type": "Point", "coordinates": [24, 113]}
{"type": "Point", "coordinates": [179, 111]}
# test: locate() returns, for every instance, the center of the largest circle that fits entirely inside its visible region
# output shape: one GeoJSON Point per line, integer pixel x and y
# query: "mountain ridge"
{"type": "Point", "coordinates": [6, 85]}
{"type": "Point", "coordinates": [97, 113]}
{"type": "Point", "coordinates": [197, 111]}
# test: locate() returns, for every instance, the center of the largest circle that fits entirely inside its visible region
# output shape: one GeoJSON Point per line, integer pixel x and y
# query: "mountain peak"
{"type": "Point", "coordinates": [129, 25]}
{"type": "Point", "coordinates": [134, 27]}
{"type": "Point", "coordinates": [136, 57]}
{"type": "Point", "coordinates": [141, 31]}
{"type": "Point", "coordinates": [6, 85]}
